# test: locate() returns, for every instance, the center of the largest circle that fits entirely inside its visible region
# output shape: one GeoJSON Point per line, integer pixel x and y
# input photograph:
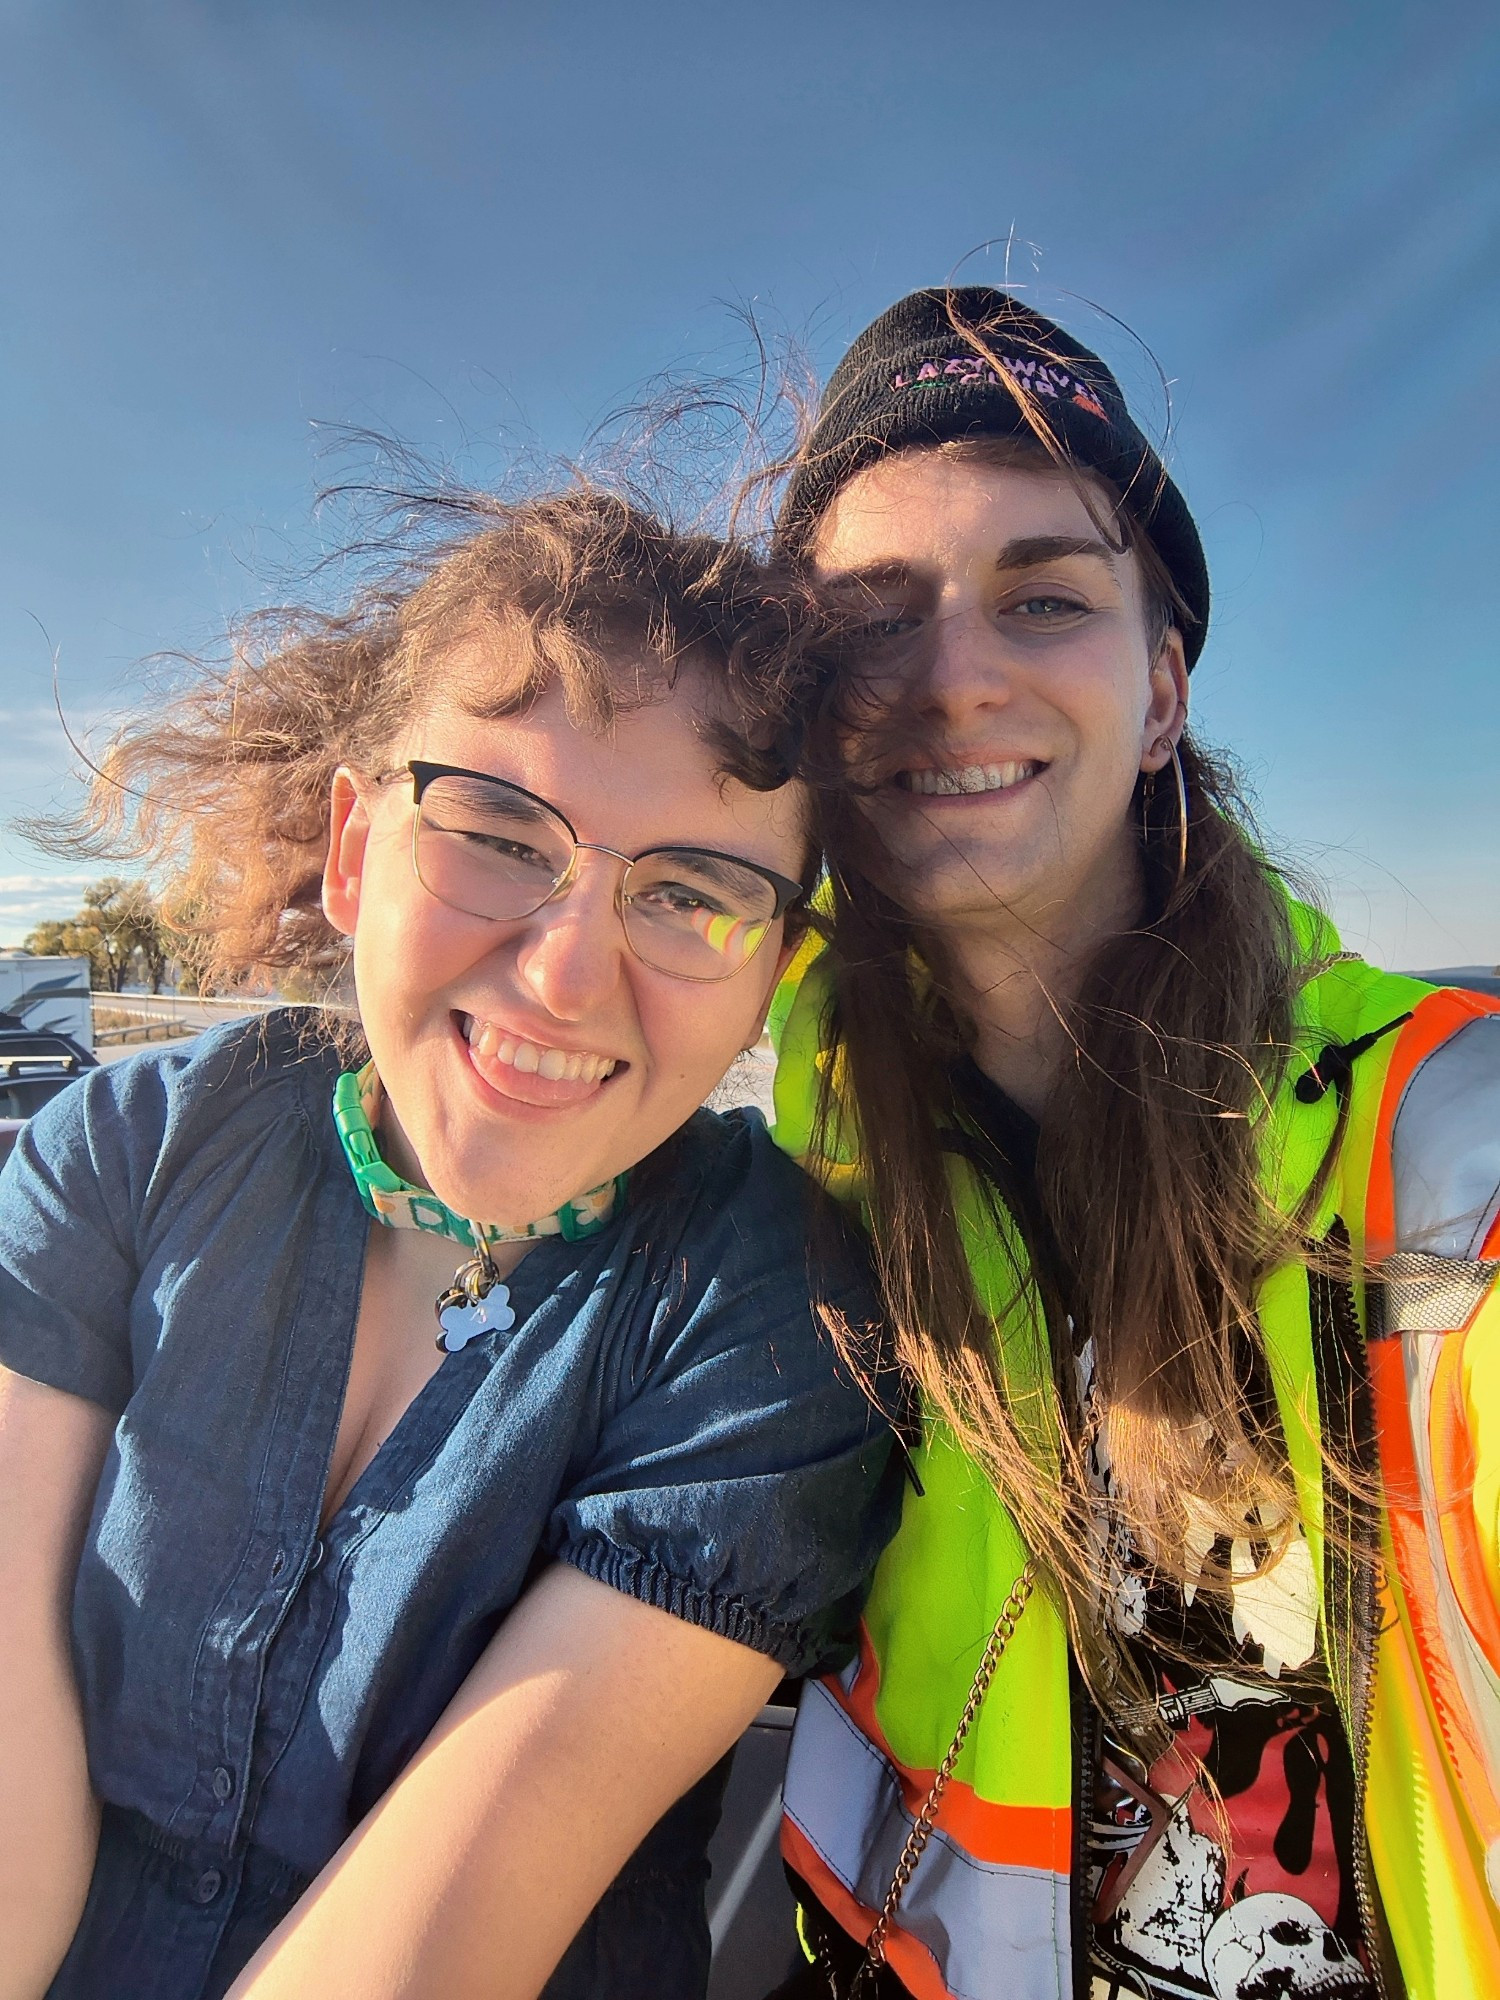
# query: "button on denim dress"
{"type": "Point", "coordinates": [182, 1242]}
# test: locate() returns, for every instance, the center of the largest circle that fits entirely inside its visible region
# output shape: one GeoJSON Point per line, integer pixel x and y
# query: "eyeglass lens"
{"type": "Point", "coordinates": [493, 851]}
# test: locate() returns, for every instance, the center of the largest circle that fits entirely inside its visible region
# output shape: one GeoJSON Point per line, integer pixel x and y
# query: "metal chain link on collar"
{"type": "Point", "coordinates": [922, 1826]}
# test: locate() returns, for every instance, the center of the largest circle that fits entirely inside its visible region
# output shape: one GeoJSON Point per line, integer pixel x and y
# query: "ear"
{"type": "Point", "coordinates": [348, 835]}
{"type": "Point", "coordinates": [1167, 712]}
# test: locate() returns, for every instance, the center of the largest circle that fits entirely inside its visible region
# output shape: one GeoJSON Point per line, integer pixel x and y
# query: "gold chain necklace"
{"type": "Point", "coordinates": [922, 1826]}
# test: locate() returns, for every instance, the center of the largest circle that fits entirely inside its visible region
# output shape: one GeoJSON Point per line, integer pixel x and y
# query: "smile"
{"type": "Point", "coordinates": [966, 780]}
{"type": "Point", "coordinates": [491, 1044]}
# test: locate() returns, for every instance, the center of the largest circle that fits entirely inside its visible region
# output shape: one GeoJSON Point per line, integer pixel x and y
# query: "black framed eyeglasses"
{"type": "Point", "coordinates": [493, 849]}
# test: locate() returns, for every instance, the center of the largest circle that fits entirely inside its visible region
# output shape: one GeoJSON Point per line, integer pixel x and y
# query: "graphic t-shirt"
{"type": "Point", "coordinates": [1227, 1868]}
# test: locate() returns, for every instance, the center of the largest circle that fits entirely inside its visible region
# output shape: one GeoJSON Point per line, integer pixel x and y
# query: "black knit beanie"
{"type": "Point", "coordinates": [917, 377]}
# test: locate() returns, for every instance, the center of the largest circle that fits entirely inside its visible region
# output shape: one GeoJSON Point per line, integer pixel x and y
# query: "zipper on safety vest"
{"type": "Point", "coordinates": [1086, 1733]}
{"type": "Point", "coordinates": [1364, 1890]}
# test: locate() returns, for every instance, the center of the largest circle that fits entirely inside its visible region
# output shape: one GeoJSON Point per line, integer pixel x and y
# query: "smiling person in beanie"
{"type": "Point", "coordinates": [1182, 1675]}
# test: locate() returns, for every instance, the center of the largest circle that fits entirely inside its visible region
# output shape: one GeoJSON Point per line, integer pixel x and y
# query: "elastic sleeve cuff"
{"type": "Point", "coordinates": [795, 1648]}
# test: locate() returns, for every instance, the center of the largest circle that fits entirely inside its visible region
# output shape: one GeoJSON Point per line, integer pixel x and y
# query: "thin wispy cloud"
{"type": "Point", "coordinates": [231, 225]}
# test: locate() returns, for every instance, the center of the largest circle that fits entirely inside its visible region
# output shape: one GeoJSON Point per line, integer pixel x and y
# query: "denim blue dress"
{"type": "Point", "coordinates": [181, 1241]}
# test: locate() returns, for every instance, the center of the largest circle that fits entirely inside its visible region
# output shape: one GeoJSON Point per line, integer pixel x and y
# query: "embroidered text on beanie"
{"type": "Point", "coordinates": [925, 372]}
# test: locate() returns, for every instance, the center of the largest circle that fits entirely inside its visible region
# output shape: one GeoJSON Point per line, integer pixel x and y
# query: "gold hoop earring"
{"type": "Point", "coordinates": [1168, 744]}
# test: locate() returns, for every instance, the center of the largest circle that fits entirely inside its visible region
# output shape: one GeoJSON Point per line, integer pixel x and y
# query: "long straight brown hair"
{"type": "Point", "coordinates": [1146, 1229]}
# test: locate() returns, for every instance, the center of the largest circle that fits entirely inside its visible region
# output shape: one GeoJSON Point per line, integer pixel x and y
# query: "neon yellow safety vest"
{"type": "Point", "coordinates": [1403, 1375]}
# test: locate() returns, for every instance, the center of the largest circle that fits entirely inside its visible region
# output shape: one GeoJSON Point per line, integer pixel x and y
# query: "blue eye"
{"type": "Point", "coordinates": [1049, 607]}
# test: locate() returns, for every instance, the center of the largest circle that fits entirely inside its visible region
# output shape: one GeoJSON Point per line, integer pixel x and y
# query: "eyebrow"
{"type": "Point", "coordinates": [519, 804]}
{"type": "Point", "coordinates": [1024, 552]}
{"type": "Point", "coordinates": [723, 869]}
{"type": "Point", "coordinates": [1031, 551]}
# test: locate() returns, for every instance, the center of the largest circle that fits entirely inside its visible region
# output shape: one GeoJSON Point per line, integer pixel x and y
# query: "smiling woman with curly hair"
{"type": "Point", "coordinates": [426, 1415]}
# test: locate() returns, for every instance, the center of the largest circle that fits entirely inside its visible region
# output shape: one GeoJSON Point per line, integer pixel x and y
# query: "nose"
{"type": "Point", "coordinates": [967, 669]}
{"type": "Point", "coordinates": [571, 952]}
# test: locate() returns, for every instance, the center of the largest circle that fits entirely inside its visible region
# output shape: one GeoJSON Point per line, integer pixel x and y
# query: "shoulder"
{"type": "Point", "coordinates": [729, 1158]}
{"type": "Point", "coordinates": [1422, 1065]}
{"type": "Point", "coordinates": [121, 1121]}
{"type": "Point", "coordinates": [740, 1235]}
{"type": "Point", "coordinates": [1444, 1126]}
{"type": "Point", "coordinates": [726, 1189]}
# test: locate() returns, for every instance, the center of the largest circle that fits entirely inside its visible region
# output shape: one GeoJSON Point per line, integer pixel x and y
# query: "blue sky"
{"type": "Point", "coordinates": [484, 227]}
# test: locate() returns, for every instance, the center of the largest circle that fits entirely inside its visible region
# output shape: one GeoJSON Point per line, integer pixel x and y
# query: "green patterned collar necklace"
{"type": "Point", "coordinates": [476, 1302]}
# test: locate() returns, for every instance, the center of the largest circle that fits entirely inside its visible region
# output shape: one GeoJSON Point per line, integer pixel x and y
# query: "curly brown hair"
{"type": "Point", "coordinates": [224, 790]}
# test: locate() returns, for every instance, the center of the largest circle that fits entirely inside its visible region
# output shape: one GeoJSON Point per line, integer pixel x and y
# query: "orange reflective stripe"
{"type": "Point", "coordinates": [1420, 1585]}
{"type": "Point", "coordinates": [1018, 1836]}
{"type": "Point", "coordinates": [912, 1963]}
{"type": "Point", "coordinates": [1446, 1437]}
{"type": "Point", "coordinates": [1422, 1834]}
{"type": "Point", "coordinates": [1453, 1470]}
{"type": "Point", "coordinates": [993, 1930]}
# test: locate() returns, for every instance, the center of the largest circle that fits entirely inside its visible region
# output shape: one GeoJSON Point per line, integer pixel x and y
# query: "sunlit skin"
{"type": "Point", "coordinates": [604, 1707]}
{"type": "Point", "coordinates": [492, 1141]}
{"type": "Point", "coordinates": [1022, 643]}
{"type": "Point", "coordinates": [499, 1144]}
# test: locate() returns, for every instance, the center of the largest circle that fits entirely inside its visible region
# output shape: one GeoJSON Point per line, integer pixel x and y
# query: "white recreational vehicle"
{"type": "Point", "coordinates": [48, 995]}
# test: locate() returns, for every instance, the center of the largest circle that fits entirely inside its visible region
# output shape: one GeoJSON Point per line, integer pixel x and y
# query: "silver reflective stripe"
{"type": "Point", "coordinates": [1445, 1146]}
{"type": "Point", "coordinates": [1432, 1294]}
{"type": "Point", "coordinates": [998, 1932]}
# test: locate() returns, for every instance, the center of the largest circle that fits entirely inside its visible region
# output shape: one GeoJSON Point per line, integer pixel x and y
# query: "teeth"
{"type": "Point", "coordinates": [966, 779]}
{"type": "Point", "coordinates": [531, 1059]}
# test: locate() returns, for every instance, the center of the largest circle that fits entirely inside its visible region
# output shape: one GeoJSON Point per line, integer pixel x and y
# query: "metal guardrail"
{"type": "Point", "coordinates": [144, 1031]}
{"type": "Point", "coordinates": [176, 1006]}
{"type": "Point", "coordinates": [149, 1017]}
